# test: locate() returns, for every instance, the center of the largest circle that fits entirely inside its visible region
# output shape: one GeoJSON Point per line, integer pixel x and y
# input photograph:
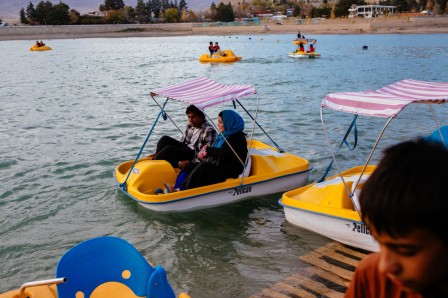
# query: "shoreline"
{"type": "Point", "coordinates": [392, 25]}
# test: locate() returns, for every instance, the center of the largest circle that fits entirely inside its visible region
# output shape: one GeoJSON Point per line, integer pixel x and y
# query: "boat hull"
{"type": "Point", "coordinates": [352, 233]}
{"type": "Point", "coordinates": [42, 48]}
{"type": "Point", "coordinates": [326, 208]}
{"type": "Point", "coordinates": [270, 172]}
{"type": "Point", "coordinates": [214, 197]}
{"type": "Point", "coordinates": [304, 55]}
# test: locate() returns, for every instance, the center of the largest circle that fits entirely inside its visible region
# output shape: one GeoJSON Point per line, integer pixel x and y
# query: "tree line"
{"type": "Point", "coordinates": [222, 12]}
{"type": "Point", "coordinates": [113, 11]}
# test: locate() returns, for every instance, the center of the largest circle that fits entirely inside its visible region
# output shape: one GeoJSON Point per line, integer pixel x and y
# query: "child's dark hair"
{"type": "Point", "coordinates": [193, 109]}
{"type": "Point", "coordinates": [408, 190]}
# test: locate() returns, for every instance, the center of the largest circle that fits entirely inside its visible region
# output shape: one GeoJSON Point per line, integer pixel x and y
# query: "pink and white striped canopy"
{"type": "Point", "coordinates": [389, 100]}
{"type": "Point", "coordinates": [204, 92]}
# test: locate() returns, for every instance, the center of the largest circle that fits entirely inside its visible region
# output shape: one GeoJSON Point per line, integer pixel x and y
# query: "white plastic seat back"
{"type": "Point", "coordinates": [356, 192]}
{"type": "Point", "coordinates": [246, 171]}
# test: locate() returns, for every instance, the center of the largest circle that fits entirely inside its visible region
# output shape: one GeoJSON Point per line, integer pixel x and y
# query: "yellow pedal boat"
{"type": "Point", "coordinates": [41, 48]}
{"type": "Point", "coordinates": [267, 169]}
{"type": "Point", "coordinates": [104, 267]}
{"type": "Point", "coordinates": [228, 56]}
{"type": "Point", "coordinates": [326, 208]}
{"type": "Point", "coordinates": [304, 54]}
{"type": "Point", "coordinates": [331, 207]}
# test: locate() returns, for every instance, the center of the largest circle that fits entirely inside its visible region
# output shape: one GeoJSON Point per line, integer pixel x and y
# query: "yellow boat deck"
{"type": "Point", "coordinates": [329, 197]}
{"type": "Point", "coordinates": [263, 167]}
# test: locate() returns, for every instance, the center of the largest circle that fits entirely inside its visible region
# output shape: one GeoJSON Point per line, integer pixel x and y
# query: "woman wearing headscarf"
{"type": "Point", "coordinates": [219, 161]}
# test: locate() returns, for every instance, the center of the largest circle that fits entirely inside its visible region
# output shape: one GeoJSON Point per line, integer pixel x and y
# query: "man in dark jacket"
{"type": "Point", "coordinates": [198, 133]}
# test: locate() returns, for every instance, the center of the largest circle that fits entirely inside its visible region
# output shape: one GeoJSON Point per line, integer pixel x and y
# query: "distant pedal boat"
{"type": "Point", "coordinates": [304, 54]}
{"type": "Point", "coordinates": [228, 56]}
{"type": "Point", "coordinates": [41, 48]}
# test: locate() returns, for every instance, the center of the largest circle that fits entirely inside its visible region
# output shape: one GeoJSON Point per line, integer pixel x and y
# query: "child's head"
{"type": "Point", "coordinates": [408, 190]}
{"type": "Point", "coordinates": [405, 202]}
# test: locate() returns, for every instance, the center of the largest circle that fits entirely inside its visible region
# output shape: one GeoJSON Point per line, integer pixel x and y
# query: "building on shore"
{"type": "Point", "coordinates": [371, 11]}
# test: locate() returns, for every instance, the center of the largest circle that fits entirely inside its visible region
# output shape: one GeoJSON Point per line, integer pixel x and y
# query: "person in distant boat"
{"type": "Point", "coordinates": [38, 44]}
{"type": "Point", "coordinates": [404, 204]}
{"type": "Point", "coordinates": [219, 161]}
{"type": "Point", "coordinates": [311, 50]}
{"type": "Point", "coordinates": [301, 48]}
{"type": "Point", "coordinates": [211, 48]}
{"type": "Point", "coordinates": [299, 36]}
{"type": "Point", "coordinates": [42, 43]}
{"type": "Point", "coordinates": [217, 49]}
{"type": "Point", "coordinates": [198, 133]}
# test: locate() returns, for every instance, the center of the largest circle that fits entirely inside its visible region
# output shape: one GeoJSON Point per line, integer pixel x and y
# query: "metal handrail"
{"type": "Point", "coordinates": [36, 283]}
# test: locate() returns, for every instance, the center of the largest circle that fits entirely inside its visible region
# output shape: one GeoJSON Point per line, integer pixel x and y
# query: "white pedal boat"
{"type": "Point", "coordinates": [310, 54]}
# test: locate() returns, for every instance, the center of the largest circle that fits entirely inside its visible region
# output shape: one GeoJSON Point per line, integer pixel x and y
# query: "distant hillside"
{"type": "Point", "coordinates": [11, 8]}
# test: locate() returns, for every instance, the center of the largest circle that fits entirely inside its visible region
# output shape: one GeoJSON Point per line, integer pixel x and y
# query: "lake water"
{"type": "Point", "coordinates": [70, 115]}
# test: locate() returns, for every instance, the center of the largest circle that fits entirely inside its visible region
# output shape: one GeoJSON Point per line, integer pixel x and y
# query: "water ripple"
{"type": "Point", "coordinates": [64, 130]}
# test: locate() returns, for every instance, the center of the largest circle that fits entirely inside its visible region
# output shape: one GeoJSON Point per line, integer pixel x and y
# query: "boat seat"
{"type": "Point", "coordinates": [110, 260]}
{"type": "Point", "coordinates": [246, 171]}
{"type": "Point", "coordinates": [265, 152]}
{"type": "Point", "coordinates": [357, 191]}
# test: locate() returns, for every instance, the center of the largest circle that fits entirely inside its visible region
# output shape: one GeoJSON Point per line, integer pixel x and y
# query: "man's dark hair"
{"type": "Point", "coordinates": [408, 190]}
{"type": "Point", "coordinates": [193, 109]}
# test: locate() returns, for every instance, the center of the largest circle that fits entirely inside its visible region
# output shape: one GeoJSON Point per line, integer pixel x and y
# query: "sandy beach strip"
{"type": "Point", "coordinates": [391, 25]}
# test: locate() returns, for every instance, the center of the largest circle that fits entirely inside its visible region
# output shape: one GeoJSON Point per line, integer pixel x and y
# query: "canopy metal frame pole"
{"type": "Point", "coordinates": [256, 122]}
{"type": "Point", "coordinates": [217, 130]}
{"type": "Point", "coordinates": [251, 134]}
{"type": "Point", "coordinates": [437, 123]}
{"type": "Point", "coordinates": [349, 192]}
{"type": "Point", "coordinates": [370, 155]}
{"type": "Point", "coordinates": [331, 149]}
{"type": "Point", "coordinates": [378, 140]}
{"type": "Point", "coordinates": [245, 163]}
{"type": "Point", "coordinates": [344, 141]}
{"type": "Point", "coordinates": [162, 111]}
